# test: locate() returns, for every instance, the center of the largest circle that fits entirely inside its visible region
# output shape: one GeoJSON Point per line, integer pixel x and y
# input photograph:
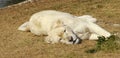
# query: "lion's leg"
{"type": "Point", "coordinates": [52, 39]}
{"type": "Point", "coordinates": [83, 36]}
{"type": "Point", "coordinates": [96, 29]}
{"type": "Point", "coordinates": [93, 36]}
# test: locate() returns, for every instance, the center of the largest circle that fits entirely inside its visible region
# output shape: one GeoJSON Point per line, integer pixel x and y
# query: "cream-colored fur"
{"type": "Point", "coordinates": [51, 23]}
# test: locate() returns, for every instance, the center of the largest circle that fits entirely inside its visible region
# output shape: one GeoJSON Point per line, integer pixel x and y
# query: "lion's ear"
{"type": "Point", "coordinates": [57, 24]}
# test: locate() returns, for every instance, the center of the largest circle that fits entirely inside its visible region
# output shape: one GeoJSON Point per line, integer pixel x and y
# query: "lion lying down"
{"type": "Point", "coordinates": [63, 27]}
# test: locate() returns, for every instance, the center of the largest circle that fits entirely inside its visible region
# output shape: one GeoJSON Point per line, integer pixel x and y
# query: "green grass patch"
{"type": "Point", "coordinates": [109, 44]}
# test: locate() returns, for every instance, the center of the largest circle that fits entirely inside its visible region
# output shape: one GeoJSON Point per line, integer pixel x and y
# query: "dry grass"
{"type": "Point", "coordinates": [17, 44]}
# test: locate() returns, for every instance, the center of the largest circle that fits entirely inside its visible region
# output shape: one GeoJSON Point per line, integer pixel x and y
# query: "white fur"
{"type": "Point", "coordinates": [88, 18]}
{"type": "Point", "coordinates": [52, 23]}
{"type": "Point", "coordinates": [24, 27]}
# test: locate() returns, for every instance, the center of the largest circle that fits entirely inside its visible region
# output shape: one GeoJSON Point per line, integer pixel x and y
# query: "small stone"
{"type": "Point", "coordinates": [116, 25]}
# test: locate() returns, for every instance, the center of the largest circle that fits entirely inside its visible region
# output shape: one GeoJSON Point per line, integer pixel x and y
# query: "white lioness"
{"type": "Point", "coordinates": [63, 27]}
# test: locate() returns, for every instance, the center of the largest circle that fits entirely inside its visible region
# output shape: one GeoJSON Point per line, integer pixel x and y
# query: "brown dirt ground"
{"type": "Point", "coordinates": [17, 44]}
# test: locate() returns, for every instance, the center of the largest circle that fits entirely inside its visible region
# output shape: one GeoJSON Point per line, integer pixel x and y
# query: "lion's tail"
{"type": "Point", "coordinates": [24, 27]}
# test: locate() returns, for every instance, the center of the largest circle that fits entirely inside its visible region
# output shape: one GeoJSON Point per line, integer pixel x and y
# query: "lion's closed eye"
{"type": "Point", "coordinates": [65, 30]}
